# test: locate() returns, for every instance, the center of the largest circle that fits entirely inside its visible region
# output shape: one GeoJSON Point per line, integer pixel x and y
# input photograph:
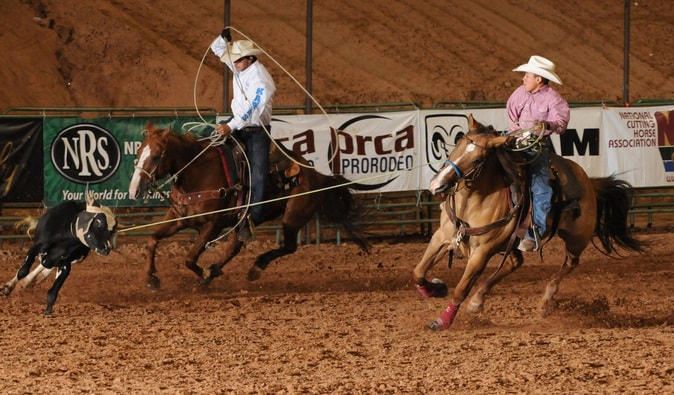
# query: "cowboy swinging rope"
{"type": "Point", "coordinates": [238, 84]}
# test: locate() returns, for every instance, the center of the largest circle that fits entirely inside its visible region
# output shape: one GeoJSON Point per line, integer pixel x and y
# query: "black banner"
{"type": "Point", "coordinates": [21, 161]}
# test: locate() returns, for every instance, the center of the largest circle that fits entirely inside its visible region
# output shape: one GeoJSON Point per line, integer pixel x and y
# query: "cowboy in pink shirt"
{"type": "Point", "coordinates": [537, 107]}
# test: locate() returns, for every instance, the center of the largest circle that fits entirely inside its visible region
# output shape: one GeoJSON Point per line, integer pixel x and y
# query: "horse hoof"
{"type": "Point", "coordinates": [214, 271]}
{"type": "Point", "coordinates": [254, 273]}
{"type": "Point", "coordinates": [439, 288]}
{"type": "Point", "coordinates": [437, 326]}
{"type": "Point", "coordinates": [153, 283]}
{"type": "Point", "coordinates": [474, 308]}
{"type": "Point", "coordinates": [547, 307]}
{"type": "Point", "coordinates": [5, 290]}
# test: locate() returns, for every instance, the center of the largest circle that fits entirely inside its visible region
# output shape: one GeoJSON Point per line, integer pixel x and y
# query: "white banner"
{"type": "Point", "coordinates": [638, 143]}
{"type": "Point", "coordinates": [397, 151]}
{"type": "Point", "coordinates": [378, 151]}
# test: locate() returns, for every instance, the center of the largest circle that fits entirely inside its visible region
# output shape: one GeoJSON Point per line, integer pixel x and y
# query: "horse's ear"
{"type": "Point", "coordinates": [498, 141]}
{"type": "Point", "coordinates": [165, 133]}
{"type": "Point", "coordinates": [472, 123]}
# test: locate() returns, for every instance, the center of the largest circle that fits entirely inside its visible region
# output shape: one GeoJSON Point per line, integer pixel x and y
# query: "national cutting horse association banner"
{"type": "Point", "coordinates": [97, 154]}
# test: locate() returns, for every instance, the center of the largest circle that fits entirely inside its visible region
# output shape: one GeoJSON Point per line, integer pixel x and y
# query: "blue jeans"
{"type": "Point", "coordinates": [257, 150]}
{"type": "Point", "coordinates": [540, 189]}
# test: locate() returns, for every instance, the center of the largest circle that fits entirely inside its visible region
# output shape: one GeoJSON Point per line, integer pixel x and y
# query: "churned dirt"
{"type": "Point", "coordinates": [330, 319]}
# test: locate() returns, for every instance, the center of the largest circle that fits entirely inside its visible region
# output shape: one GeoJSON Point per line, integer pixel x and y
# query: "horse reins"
{"type": "Point", "coordinates": [464, 229]}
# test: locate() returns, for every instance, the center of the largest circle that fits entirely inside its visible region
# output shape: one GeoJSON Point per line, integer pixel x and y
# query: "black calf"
{"type": "Point", "coordinates": [64, 235]}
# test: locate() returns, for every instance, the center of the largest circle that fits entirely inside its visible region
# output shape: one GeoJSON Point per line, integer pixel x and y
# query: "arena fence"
{"type": "Point", "coordinates": [386, 216]}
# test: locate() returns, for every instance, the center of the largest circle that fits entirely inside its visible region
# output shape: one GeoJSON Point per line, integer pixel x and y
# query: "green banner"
{"type": "Point", "coordinates": [98, 154]}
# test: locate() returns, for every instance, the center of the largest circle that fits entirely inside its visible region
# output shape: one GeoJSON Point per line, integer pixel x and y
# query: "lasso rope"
{"type": "Point", "coordinates": [236, 78]}
{"type": "Point", "coordinates": [272, 200]}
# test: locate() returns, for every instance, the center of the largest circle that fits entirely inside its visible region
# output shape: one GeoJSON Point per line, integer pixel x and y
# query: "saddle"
{"type": "Point", "coordinates": [566, 192]}
{"type": "Point", "coordinates": [285, 172]}
{"type": "Point", "coordinates": [234, 167]}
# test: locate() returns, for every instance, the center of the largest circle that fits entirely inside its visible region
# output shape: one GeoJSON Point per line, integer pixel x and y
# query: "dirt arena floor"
{"type": "Point", "coordinates": [330, 319]}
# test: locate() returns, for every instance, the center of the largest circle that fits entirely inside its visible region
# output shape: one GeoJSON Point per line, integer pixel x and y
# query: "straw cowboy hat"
{"type": "Point", "coordinates": [540, 66]}
{"type": "Point", "coordinates": [240, 49]}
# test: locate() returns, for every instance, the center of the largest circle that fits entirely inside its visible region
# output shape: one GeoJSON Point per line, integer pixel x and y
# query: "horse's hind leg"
{"type": "Point", "coordinates": [288, 247]}
{"type": "Point", "coordinates": [476, 303]}
{"type": "Point", "coordinates": [548, 302]}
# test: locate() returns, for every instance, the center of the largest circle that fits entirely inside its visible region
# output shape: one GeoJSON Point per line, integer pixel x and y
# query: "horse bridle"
{"type": "Point", "coordinates": [473, 173]}
{"type": "Point", "coordinates": [152, 187]}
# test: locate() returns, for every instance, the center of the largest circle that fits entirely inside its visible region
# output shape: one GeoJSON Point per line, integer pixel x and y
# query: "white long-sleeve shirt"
{"type": "Point", "coordinates": [254, 91]}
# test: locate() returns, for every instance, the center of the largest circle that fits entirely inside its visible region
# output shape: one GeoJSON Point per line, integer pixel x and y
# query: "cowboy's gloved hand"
{"type": "Point", "coordinates": [524, 140]}
{"type": "Point", "coordinates": [226, 34]}
{"type": "Point", "coordinates": [219, 46]}
{"type": "Point", "coordinates": [511, 142]}
{"type": "Point", "coordinates": [223, 129]}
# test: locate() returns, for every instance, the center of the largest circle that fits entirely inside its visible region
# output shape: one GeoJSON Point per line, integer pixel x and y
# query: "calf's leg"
{"type": "Point", "coordinates": [62, 273]}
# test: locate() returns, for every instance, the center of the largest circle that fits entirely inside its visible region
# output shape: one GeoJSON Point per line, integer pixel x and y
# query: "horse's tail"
{"type": "Point", "coordinates": [614, 198]}
{"type": "Point", "coordinates": [338, 206]}
{"type": "Point", "coordinates": [30, 223]}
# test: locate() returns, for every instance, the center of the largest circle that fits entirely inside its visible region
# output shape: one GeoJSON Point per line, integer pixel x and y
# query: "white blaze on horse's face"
{"type": "Point", "coordinates": [135, 179]}
{"type": "Point", "coordinates": [440, 180]}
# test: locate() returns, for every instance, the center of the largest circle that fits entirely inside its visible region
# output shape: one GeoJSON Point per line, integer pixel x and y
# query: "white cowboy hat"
{"type": "Point", "coordinates": [540, 66]}
{"type": "Point", "coordinates": [240, 49]}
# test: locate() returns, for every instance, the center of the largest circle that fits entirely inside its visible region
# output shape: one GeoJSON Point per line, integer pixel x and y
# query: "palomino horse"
{"type": "Point", "coordinates": [207, 182]}
{"type": "Point", "coordinates": [481, 218]}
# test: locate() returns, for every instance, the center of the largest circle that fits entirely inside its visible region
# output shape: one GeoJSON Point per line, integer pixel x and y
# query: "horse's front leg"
{"type": "Point", "coordinates": [436, 249]}
{"type": "Point", "coordinates": [232, 248]}
{"type": "Point", "coordinates": [476, 303]}
{"type": "Point", "coordinates": [476, 263]}
{"type": "Point", "coordinates": [165, 230]}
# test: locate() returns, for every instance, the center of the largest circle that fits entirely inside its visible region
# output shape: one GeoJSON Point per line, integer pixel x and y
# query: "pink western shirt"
{"type": "Point", "coordinates": [526, 109]}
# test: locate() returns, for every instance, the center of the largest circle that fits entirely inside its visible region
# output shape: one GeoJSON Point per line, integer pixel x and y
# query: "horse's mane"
{"type": "Point", "coordinates": [186, 138]}
{"type": "Point", "coordinates": [510, 161]}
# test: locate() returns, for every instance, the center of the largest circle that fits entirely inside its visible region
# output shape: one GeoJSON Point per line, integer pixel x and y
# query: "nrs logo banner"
{"type": "Point", "coordinates": [97, 154]}
{"type": "Point", "coordinates": [85, 153]}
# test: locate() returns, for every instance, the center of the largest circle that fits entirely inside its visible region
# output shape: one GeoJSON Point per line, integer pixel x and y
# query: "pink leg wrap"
{"type": "Point", "coordinates": [446, 318]}
{"type": "Point", "coordinates": [422, 290]}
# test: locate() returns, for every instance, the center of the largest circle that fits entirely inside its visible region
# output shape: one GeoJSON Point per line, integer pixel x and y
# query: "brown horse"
{"type": "Point", "coordinates": [482, 217]}
{"type": "Point", "coordinates": [206, 182]}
